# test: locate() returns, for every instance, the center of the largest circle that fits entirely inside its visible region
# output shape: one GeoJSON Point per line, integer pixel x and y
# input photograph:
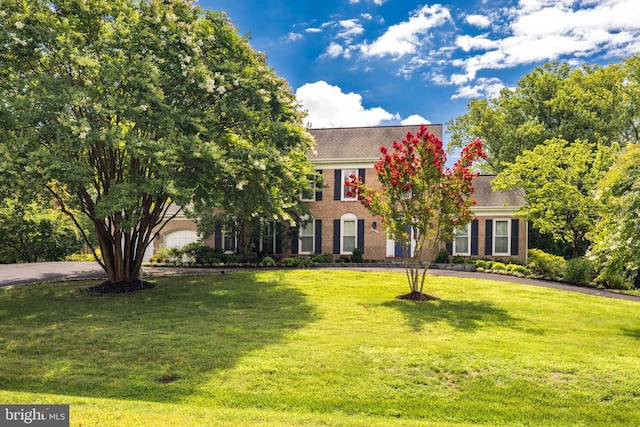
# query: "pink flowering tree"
{"type": "Point", "coordinates": [419, 193]}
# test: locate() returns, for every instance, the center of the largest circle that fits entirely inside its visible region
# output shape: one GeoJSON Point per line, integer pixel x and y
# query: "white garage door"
{"type": "Point", "coordinates": [180, 238]}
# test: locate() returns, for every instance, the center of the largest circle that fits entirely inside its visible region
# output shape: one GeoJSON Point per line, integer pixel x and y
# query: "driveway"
{"type": "Point", "coordinates": [16, 274]}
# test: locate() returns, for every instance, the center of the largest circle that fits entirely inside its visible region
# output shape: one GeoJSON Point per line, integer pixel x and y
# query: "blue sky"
{"type": "Point", "coordinates": [381, 62]}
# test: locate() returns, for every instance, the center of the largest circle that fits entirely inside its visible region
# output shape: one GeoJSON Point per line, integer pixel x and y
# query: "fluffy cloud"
{"type": "Point", "coordinates": [404, 38]}
{"type": "Point", "coordinates": [480, 21]}
{"type": "Point", "coordinates": [328, 106]}
{"type": "Point", "coordinates": [415, 119]}
{"type": "Point", "coordinates": [485, 87]}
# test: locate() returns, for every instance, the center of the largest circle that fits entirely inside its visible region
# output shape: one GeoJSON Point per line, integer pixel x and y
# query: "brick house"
{"type": "Point", "coordinates": [339, 223]}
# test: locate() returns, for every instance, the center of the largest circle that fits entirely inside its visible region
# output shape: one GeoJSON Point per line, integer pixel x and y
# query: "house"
{"type": "Point", "coordinates": [339, 223]}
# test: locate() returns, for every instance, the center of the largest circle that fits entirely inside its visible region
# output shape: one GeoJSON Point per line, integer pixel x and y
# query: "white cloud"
{"type": "Point", "coordinates": [485, 87]}
{"type": "Point", "coordinates": [549, 30]}
{"type": "Point", "coordinates": [328, 106]}
{"type": "Point", "coordinates": [404, 38]}
{"type": "Point", "coordinates": [292, 37]}
{"type": "Point", "coordinates": [480, 21]}
{"type": "Point", "coordinates": [334, 50]}
{"type": "Point", "coordinates": [350, 28]}
{"type": "Point", "coordinates": [415, 119]}
{"type": "Point", "coordinates": [313, 30]}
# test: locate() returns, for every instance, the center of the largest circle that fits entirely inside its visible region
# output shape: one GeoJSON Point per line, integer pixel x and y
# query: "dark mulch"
{"type": "Point", "coordinates": [418, 296]}
{"type": "Point", "coordinates": [120, 287]}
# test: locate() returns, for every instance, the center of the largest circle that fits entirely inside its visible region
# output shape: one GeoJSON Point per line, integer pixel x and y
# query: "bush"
{"type": "Point", "coordinates": [498, 266]}
{"type": "Point", "coordinates": [356, 256]}
{"type": "Point", "coordinates": [443, 257]}
{"type": "Point", "coordinates": [484, 264]}
{"type": "Point", "coordinates": [545, 265]}
{"type": "Point", "coordinates": [297, 262]}
{"type": "Point", "coordinates": [200, 253]}
{"type": "Point", "coordinates": [578, 271]}
{"type": "Point", "coordinates": [458, 259]}
{"type": "Point", "coordinates": [268, 262]}
{"type": "Point", "coordinates": [324, 258]}
{"type": "Point", "coordinates": [516, 268]}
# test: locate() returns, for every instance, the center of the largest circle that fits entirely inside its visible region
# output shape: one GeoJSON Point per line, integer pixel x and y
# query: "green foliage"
{"type": "Point", "coordinates": [121, 109]}
{"type": "Point", "coordinates": [325, 258]}
{"type": "Point", "coordinates": [267, 261]}
{"type": "Point", "coordinates": [201, 253]}
{"type": "Point", "coordinates": [301, 262]}
{"type": "Point", "coordinates": [442, 257]}
{"type": "Point", "coordinates": [356, 256]}
{"type": "Point", "coordinates": [556, 100]}
{"type": "Point", "coordinates": [34, 232]}
{"type": "Point", "coordinates": [578, 271]}
{"type": "Point", "coordinates": [558, 181]}
{"type": "Point", "coordinates": [484, 264]}
{"type": "Point", "coordinates": [517, 268]}
{"type": "Point", "coordinates": [498, 266]}
{"type": "Point", "coordinates": [547, 266]}
{"type": "Point", "coordinates": [616, 238]}
{"type": "Point", "coordinates": [458, 259]}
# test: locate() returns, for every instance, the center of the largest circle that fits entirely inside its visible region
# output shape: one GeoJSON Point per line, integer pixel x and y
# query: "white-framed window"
{"type": "Point", "coordinates": [348, 233]}
{"type": "Point", "coordinates": [306, 237]}
{"type": "Point", "coordinates": [309, 195]}
{"type": "Point", "coordinates": [501, 236]}
{"type": "Point", "coordinates": [462, 241]}
{"type": "Point", "coordinates": [346, 173]}
{"type": "Point", "coordinates": [230, 237]}
{"type": "Point", "coordinates": [268, 237]}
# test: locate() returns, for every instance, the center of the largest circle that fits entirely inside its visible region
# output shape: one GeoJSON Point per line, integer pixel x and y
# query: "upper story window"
{"type": "Point", "coordinates": [501, 236]}
{"type": "Point", "coordinates": [462, 241]}
{"type": "Point", "coordinates": [346, 173]}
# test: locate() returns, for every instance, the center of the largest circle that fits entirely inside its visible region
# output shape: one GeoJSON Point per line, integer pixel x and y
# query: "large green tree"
{"type": "Point", "coordinates": [558, 181]}
{"type": "Point", "coordinates": [589, 103]}
{"type": "Point", "coordinates": [121, 108]}
{"type": "Point", "coordinates": [616, 237]}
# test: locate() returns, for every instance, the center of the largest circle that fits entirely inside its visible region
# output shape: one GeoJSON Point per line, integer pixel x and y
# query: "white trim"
{"type": "Point", "coordinates": [345, 164]}
{"type": "Point", "coordinates": [495, 225]}
{"type": "Point", "coordinates": [454, 251]}
{"type": "Point", "coordinates": [348, 217]}
{"type": "Point", "coordinates": [311, 222]}
{"type": "Point", "coordinates": [344, 175]}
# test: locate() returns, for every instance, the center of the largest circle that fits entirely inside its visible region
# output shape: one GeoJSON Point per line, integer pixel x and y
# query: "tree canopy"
{"type": "Point", "coordinates": [121, 108]}
{"type": "Point", "coordinates": [590, 103]}
{"type": "Point", "coordinates": [420, 196]}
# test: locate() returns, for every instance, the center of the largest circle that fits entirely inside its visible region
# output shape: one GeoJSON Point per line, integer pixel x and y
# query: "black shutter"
{"type": "Point", "coordinates": [278, 239]}
{"type": "Point", "coordinates": [474, 237]}
{"type": "Point", "coordinates": [294, 241]}
{"type": "Point", "coordinates": [336, 236]}
{"type": "Point", "coordinates": [488, 242]}
{"type": "Point", "coordinates": [515, 231]}
{"type": "Point", "coordinates": [361, 235]}
{"type": "Point", "coordinates": [318, 236]}
{"type": "Point", "coordinates": [449, 246]}
{"type": "Point", "coordinates": [319, 191]}
{"type": "Point", "coordinates": [361, 174]}
{"type": "Point", "coordinates": [337, 185]}
{"type": "Point", "coordinates": [217, 240]}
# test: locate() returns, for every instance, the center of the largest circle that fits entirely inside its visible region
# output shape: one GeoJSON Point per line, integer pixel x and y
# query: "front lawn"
{"type": "Point", "coordinates": [320, 347]}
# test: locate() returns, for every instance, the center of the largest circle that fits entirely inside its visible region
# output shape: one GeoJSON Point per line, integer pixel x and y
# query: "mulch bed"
{"type": "Point", "coordinates": [418, 296]}
{"type": "Point", "coordinates": [120, 287]}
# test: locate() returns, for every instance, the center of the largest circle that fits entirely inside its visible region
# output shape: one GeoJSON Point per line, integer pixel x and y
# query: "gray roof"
{"type": "Point", "coordinates": [360, 143]}
{"type": "Point", "coordinates": [484, 196]}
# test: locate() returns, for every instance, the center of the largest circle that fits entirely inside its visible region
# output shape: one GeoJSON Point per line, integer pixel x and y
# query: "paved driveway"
{"type": "Point", "coordinates": [15, 274]}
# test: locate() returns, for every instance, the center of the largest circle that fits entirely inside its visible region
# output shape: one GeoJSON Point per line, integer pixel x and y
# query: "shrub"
{"type": "Point", "coordinates": [516, 268]}
{"type": "Point", "coordinates": [545, 265]}
{"type": "Point", "coordinates": [498, 266]}
{"type": "Point", "coordinates": [484, 264]}
{"type": "Point", "coordinates": [161, 255]}
{"type": "Point", "coordinates": [458, 259]}
{"type": "Point", "coordinates": [578, 271]}
{"type": "Point", "coordinates": [297, 262]}
{"type": "Point", "coordinates": [267, 262]}
{"type": "Point", "coordinates": [356, 256]}
{"type": "Point", "coordinates": [443, 257]}
{"type": "Point", "coordinates": [324, 258]}
{"type": "Point", "coordinates": [200, 253]}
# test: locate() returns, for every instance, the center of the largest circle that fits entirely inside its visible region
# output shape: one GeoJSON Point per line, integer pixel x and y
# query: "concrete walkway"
{"type": "Point", "coordinates": [17, 274]}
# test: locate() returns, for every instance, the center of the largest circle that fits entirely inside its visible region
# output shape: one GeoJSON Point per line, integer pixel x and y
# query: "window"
{"type": "Point", "coordinates": [309, 194]}
{"type": "Point", "coordinates": [461, 241]}
{"type": "Point", "coordinates": [229, 237]}
{"type": "Point", "coordinates": [346, 173]}
{"type": "Point", "coordinates": [349, 231]}
{"type": "Point", "coordinates": [268, 237]}
{"type": "Point", "coordinates": [306, 237]}
{"type": "Point", "coordinates": [501, 232]}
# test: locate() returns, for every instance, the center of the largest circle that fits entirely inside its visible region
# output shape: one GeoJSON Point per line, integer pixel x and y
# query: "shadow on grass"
{"type": "Point", "coordinates": [160, 344]}
{"type": "Point", "coordinates": [633, 333]}
{"type": "Point", "coordinates": [463, 315]}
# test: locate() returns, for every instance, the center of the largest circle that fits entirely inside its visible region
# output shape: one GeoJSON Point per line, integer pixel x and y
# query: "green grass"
{"type": "Point", "coordinates": [313, 347]}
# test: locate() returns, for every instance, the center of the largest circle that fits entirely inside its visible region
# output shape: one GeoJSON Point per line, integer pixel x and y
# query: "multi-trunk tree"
{"type": "Point", "coordinates": [120, 109]}
{"type": "Point", "coordinates": [420, 197]}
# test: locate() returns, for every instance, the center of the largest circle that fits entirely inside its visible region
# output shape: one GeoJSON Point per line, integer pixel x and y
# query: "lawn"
{"type": "Point", "coordinates": [321, 347]}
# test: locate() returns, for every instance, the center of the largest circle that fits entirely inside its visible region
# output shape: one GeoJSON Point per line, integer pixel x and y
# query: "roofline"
{"type": "Point", "coordinates": [377, 127]}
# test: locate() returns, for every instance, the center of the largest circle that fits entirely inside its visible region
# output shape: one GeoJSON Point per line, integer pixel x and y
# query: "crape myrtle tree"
{"type": "Point", "coordinates": [120, 109]}
{"type": "Point", "coordinates": [419, 193]}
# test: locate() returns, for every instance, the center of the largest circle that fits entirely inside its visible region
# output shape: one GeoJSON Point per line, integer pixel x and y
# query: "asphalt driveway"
{"type": "Point", "coordinates": [17, 274]}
